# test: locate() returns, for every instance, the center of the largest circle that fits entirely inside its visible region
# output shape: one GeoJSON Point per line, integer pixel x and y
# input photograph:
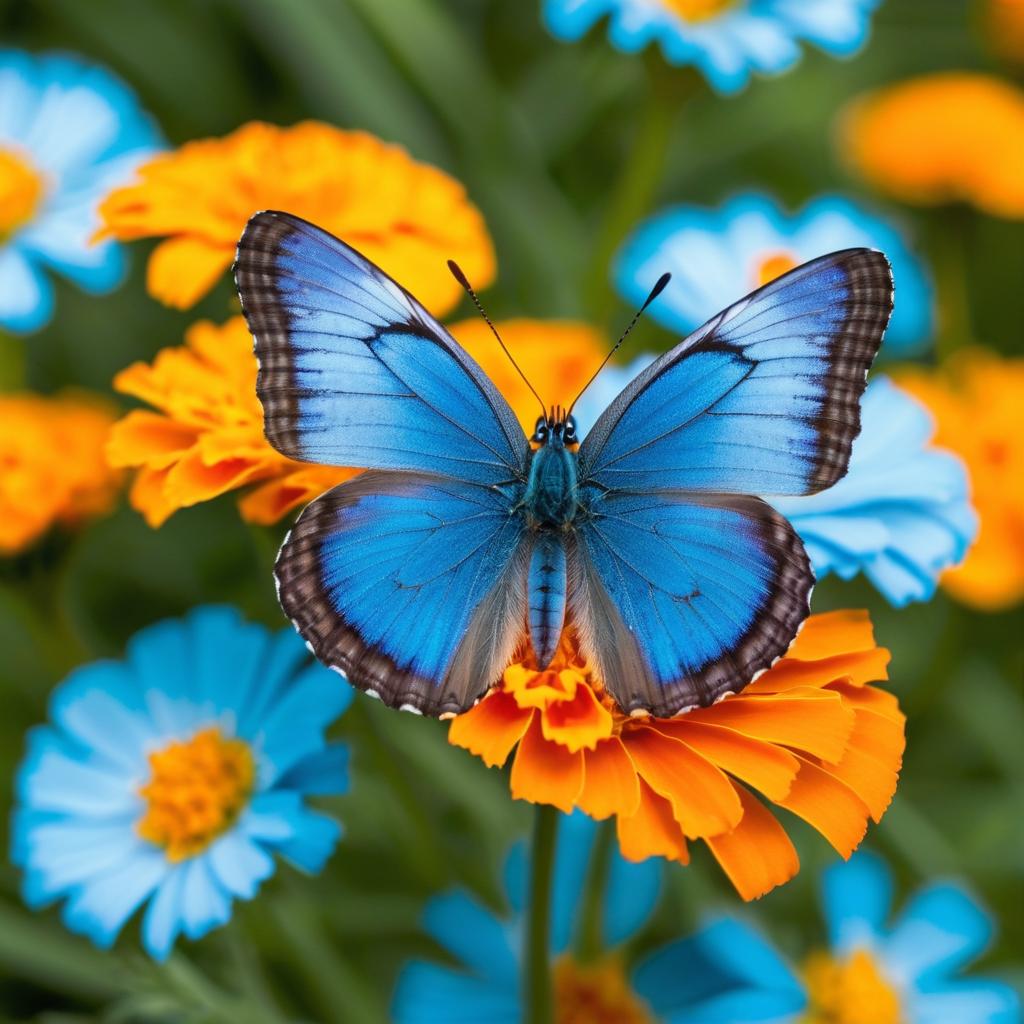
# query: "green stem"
{"type": "Point", "coordinates": [538, 999]}
{"type": "Point", "coordinates": [950, 255]}
{"type": "Point", "coordinates": [591, 931]}
{"type": "Point", "coordinates": [636, 187]}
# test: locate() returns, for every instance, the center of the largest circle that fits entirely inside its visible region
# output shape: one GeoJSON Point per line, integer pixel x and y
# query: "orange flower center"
{"type": "Point", "coordinates": [596, 993]}
{"type": "Point", "coordinates": [196, 791]}
{"type": "Point", "coordinates": [21, 190]}
{"type": "Point", "coordinates": [698, 10]}
{"type": "Point", "coordinates": [772, 266]}
{"type": "Point", "coordinates": [849, 991]}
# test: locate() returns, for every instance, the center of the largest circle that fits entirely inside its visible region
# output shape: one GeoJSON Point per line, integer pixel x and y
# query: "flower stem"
{"type": "Point", "coordinates": [537, 994]}
{"type": "Point", "coordinates": [591, 930]}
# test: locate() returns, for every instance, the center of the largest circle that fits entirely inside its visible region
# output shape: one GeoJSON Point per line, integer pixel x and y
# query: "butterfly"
{"type": "Point", "coordinates": [466, 541]}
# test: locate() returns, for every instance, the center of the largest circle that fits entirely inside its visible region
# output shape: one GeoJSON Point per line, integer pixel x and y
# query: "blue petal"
{"type": "Point", "coordinates": [631, 895]}
{"type": "Point", "coordinates": [239, 864]}
{"type": "Point", "coordinates": [163, 921]}
{"type": "Point", "coordinates": [324, 773]}
{"type": "Point", "coordinates": [474, 936]}
{"type": "Point", "coordinates": [314, 841]}
{"type": "Point", "coordinates": [282, 659]}
{"type": "Point", "coordinates": [428, 994]}
{"type": "Point", "coordinates": [204, 902]}
{"type": "Point", "coordinates": [965, 1002]}
{"type": "Point", "coordinates": [941, 929]}
{"type": "Point", "coordinates": [26, 296]}
{"type": "Point", "coordinates": [856, 897]}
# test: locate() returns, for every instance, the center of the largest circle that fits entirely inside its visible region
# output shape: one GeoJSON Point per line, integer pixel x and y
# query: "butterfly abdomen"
{"type": "Point", "coordinates": [547, 593]}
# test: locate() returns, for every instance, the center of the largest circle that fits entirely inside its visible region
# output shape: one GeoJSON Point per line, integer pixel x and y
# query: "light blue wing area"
{"type": "Point", "coordinates": [355, 372]}
{"type": "Point", "coordinates": [546, 591]}
{"type": "Point", "coordinates": [682, 598]}
{"type": "Point", "coordinates": [413, 586]}
{"type": "Point", "coordinates": [763, 399]}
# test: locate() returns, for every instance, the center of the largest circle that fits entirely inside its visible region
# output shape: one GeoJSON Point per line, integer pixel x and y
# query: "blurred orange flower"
{"type": "Point", "coordinates": [954, 135]}
{"type": "Point", "coordinates": [1004, 26]}
{"type": "Point", "coordinates": [207, 437]}
{"type": "Point", "coordinates": [405, 216]}
{"type": "Point", "coordinates": [976, 401]}
{"type": "Point", "coordinates": [811, 735]}
{"type": "Point", "coordinates": [54, 471]}
{"type": "Point", "coordinates": [557, 356]}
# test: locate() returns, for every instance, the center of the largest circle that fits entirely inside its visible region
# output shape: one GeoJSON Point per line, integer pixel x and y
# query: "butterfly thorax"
{"type": "Point", "coordinates": [553, 483]}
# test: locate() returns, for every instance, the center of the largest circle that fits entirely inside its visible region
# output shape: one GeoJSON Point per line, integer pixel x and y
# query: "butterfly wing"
{"type": "Point", "coordinates": [763, 399]}
{"type": "Point", "coordinates": [412, 585]}
{"type": "Point", "coordinates": [685, 589]}
{"type": "Point", "coordinates": [355, 372]}
{"type": "Point", "coordinates": [683, 598]}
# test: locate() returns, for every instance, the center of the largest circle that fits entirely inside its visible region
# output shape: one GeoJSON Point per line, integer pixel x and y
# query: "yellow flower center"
{"type": "Point", "coordinates": [698, 10]}
{"type": "Point", "coordinates": [196, 790]}
{"type": "Point", "coordinates": [772, 266]}
{"type": "Point", "coordinates": [21, 191]}
{"type": "Point", "coordinates": [596, 993]}
{"type": "Point", "coordinates": [849, 991]}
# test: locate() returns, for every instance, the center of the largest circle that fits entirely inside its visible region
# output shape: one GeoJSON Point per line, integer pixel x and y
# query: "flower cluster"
{"type": "Point", "coordinates": [812, 735]}
{"type": "Point", "coordinates": [405, 216]}
{"type": "Point", "coordinates": [171, 778]}
{"type": "Point", "coordinates": [54, 469]}
{"type": "Point", "coordinates": [975, 400]}
{"type": "Point", "coordinates": [953, 135]}
{"type": "Point", "coordinates": [69, 132]}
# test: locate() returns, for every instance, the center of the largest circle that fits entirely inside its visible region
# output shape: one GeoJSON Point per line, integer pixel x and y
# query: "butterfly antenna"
{"type": "Point", "coordinates": [464, 281]}
{"type": "Point", "coordinates": [658, 288]}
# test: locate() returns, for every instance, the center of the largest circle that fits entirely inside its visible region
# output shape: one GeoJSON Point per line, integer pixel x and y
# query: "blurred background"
{"type": "Point", "coordinates": [544, 135]}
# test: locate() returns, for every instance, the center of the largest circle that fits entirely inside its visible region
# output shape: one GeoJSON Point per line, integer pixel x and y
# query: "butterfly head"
{"type": "Point", "coordinates": [555, 428]}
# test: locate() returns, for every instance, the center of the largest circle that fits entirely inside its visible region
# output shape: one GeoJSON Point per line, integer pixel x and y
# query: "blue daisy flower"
{"type": "Point", "coordinates": [726, 40]}
{"type": "Point", "coordinates": [909, 973]}
{"type": "Point", "coordinates": [69, 132]}
{"type": "Point", "coordinates": [486, 984]}
{"type": "Point", "coordinates": [174, 776]}
{"type": "Point", "coordinates": [902, 513]}
{"type": "Point", "coordinates": [718, 256]}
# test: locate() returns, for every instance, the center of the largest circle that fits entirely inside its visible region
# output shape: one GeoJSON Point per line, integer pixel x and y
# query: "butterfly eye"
{"type": "Point", "coordinates": [540, 431]}
{"type": "Point", "coordinates": [569, 433]}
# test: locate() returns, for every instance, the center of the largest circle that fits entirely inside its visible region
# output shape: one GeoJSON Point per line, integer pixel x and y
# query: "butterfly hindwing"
{"type": "Point", "coordinates": [763, 399]}
{"type": "Point", "coordinates": [355, 372]}
{"type": "Point", "coordinates": [414, 586]}
{"type": "Point", "coordinates": [682, 598]}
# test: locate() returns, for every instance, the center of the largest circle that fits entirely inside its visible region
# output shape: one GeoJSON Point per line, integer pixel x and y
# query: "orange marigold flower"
{"type": "Point", "coordinates": [207, 436]}
{"type": "Point", "coordinates": [557, 356]}
{"type": "Point", "coordinates": [811, 735]}
{"type": "Point", "coordinates": [406, 216]}
{"type": "Point", "coordinates": [975, 400]}
{"type": "Point", "coordinates": [54, 470]}
{"type": "Point", "coordinates": [949, 136]}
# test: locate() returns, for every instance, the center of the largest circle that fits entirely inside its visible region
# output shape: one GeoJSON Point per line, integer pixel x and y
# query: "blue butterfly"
{"type": "Point", "coordinates": [422, 577]}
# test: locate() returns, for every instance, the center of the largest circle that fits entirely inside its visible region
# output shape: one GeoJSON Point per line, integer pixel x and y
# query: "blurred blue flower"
{"type": "Point", "coordinates": [901, 514]}
{"type": "Point", "coordinates": [726, 40]}
{"type": "Point", "coordinates": [174, 775]}
{"type": "Point", "coordinates": [909, 973]}
{"type": "Point", "coordinates": [718, 256]}
{"type": "Point", "coordinates": [486, 986]}
{"type": "Point", "coordinates": [69, 132]}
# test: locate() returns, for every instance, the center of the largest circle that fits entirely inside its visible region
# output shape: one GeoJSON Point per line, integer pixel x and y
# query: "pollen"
{"type": "Point", "coordinates": [196, 790]}
{"type": "Point", "coordinates": [772, 266]}
{"type": "Point", "coordinates": [849, 991]}
{"type": "Point", "coordinates": [22, 189]}
{"type": "Point", "coordinates": [596, 993]}
{"type": "Point", "coordinates": [698, 10]}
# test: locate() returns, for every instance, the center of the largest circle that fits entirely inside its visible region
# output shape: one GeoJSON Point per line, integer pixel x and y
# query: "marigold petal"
{"type": "Point", "coordinates": [148, 496]}
{"type": "Point", "coordinates": [147, 438]}
{"type": "Point", "coordinates": [765, 766]}
{"type": "Point", "coordinates": [703, 799]}
{"type": "Point", "coordinates": [190, 480]}
{"type": "Point", "coordinates": [182, 270]}
{"type": "Point", "coordinates": [577, 723]}
{"type": "Point", "coordinates": [610, 783]}
{"type": "Point", "coordinates": [546, 773]}
{"type": "Point", "coordinates": [859, 667]}
{"type": "Point", "coordinates": [825, 634]}
{"type": "Point", "coordinates": [816, 721]}
{"type": "Point", "coordinates": [652, 831]}
{"type": "Point", "coordinates": [757, 855]}
{"type": "Point", "coordinates": [272, 501]}
{"type": "Point", "coordinates": [490, 729]}
{"type": "Point", "coordinates": [827, 804]}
